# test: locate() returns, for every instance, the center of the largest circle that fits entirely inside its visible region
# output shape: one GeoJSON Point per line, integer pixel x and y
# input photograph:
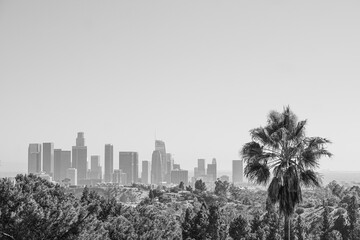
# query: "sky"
{"type": "Point", "coordinates": [196, 74]}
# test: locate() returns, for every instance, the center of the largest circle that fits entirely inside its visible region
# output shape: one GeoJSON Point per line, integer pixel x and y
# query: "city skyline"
{"type": "Point", "coordinates": [200, 75]}
{"type": "Point", "coordinates": [162, 169]}
{"type": "Point", "coordinates": [109, 154]}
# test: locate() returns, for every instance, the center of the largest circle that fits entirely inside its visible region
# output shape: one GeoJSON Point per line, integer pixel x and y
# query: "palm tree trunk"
{"type": "Point", "coordinates": [287, 226]}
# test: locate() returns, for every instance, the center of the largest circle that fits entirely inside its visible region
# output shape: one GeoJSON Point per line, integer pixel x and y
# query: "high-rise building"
{"type": "Point", "coordinates": [129, 164]}
{"type": "Point", "coordinates": [160, 146]}
{"type": "Point", "coordinates": [237, 171]}
{"type": "Point", "coordinates": [156, 167]}
{"type": "Point", "coordinates": [48, 158]}
{"type": "Point", "coordinates": [34, 158]}
{"type": "Point", "coordinates": [169, 167]}
{"type": "Point", "coordinates": [79, 157]}
{"type": "Point", "coordinates": [95, 170]}
{"type": "Point", "coordinates": [109, 162]}
{"type": "Point", "coordinates": [119, 177]}
{"type": "Point", "coordinates": [146, 172]}
{"type": "Point", "coordinates": [201, 167]}
{"type": "Point", "coordinates": [80, 140]}
{"type": "Point", "coordinates": [62, 161]}
{"type": "Point", "coordinates": [71, 173]}
{"type": "Point", "coordinates": [178, 176]}
{"type": "Point", "coordinates": [176, 166]}
{"type": "Point", "coordinates": [211, 170]}
{"type": "Point", "coordinates": [57, 165]}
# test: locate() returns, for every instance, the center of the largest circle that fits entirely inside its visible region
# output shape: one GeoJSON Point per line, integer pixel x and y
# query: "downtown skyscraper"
{"type": "Point", "coordinates": [109, 162]}
{"type": "Point", "coordinates": [146, 172]}
{"type": "Point", "coordinates": [212, 170]}
{"type": "Point", "coordinates": [79, 157]}
{"type": "Point", "coordinates": [160, 146]}
{"type": "Point", "coordinates": [62, 162]}
{"type": "Point", "coordinates": [169, 167]}
{"type": "Point", "coordinates": [48, 158]}
{"type": "Point", "coordinates": [156, 167]}
{"type": "Point", "coordinates": [34, 158]}
{"type": "Point", "coordinates": [95, 170]}
{"type": "Point", "coordinates": [129, 164]}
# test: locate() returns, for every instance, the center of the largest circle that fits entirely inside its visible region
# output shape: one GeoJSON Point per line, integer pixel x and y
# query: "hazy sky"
{"type": "Point", "coordinates": [199, 73]}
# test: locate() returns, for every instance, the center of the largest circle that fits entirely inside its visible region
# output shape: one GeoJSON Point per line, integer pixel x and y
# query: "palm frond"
{"type": "Point", "coordinates": [290, 194]}
{"type": "Point", "coordinates": [274, 117]}
{"type": "Point", "coordinates": [308, 159]}
{"type": "Point", "coordinates": [273, 189]}
{"type": "Point", "coordinates": [310, 178]}
{"type": "Point", "coordinates": [299, 130]}
{"type": "Point", "coordinates": [317, 142]}
{"type": "Point", "coordinates": [257, 172]}
{"type": "Point", "coordinates": [251, 149]}
{"type": "Point", "coordinates": [261, 135]}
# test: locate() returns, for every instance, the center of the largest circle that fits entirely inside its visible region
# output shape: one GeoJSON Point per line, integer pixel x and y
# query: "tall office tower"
{"type": "Point", "coordinates": [129, 164]}
{"type": "Point", "coordinates": [211, 170]}
{"type": "Point", "coordinates": [80, 140]}
{"type": "Point", "coordinates": [34, 158]}
{"type": "Point", "coordinates": [178, 176]}
{"type": "Point", "coordinates": [109, 162]}
{"type": "Point", "coordinates": [71, 173]}
{"type": "Point", "coordinates": [119, 177]}
{"type": "Point", "coordinates": [201, 167]}
{"type": "Point", "coordinates": [237, 171]}
{"type": "Point", "coordinates": [62, 161]}
{"type": "Point", "coordinates": [156, 167]}
{"type": "Point", "coordinates": [79, 157]}
{"type": "Point", "coordinates": [65, 162]}
{"type": "Point", "coordinates": [57, 165]}
{"type": "Point", "coordinates": [146, 172]}
{"type": "Point", "coordinates": [169, 167]}
{"type": "Point", "coordinates": [95, 170]}
{"type": "Point", "coordinates": [48, 158]}
{"type": "Point", "coordinates": [160, 146]}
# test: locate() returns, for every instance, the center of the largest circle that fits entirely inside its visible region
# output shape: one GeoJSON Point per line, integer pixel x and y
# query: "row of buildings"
{"type": "Point", "coordinates": [72, 166]}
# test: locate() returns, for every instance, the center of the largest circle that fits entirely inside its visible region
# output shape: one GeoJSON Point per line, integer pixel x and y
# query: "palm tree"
{"type": "Point", "coordinates": [281, 146]}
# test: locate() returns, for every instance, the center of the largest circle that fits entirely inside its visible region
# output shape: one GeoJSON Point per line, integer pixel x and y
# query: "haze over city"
{"type": "Point", "coordinates": [197, 76]}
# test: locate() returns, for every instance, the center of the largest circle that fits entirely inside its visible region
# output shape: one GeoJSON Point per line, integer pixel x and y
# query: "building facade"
{"type": "Point", "coordinates": [178, 176]}
{"type": "Point", "coordinates": [71, 173]}
{"type": "Point", "coordinates": [160, 146]}
{"type": "Point", "coordinates": [212, 170]}
{"type": "Point", "coordinates": [119, 177]}
{"type": "Point", "coordinates": [79, 157]}
{"type": "Point", "coordinates": [109, 162]}
{"type": "Point", "coordinates": [146, 172]}
{"type": "Point", "coordinates": [34, 158]}
{"type": "Point", "coordinates": [201, 167]}
{"type": "Point", "coordinates": [48, 158]}
{"type": "Point", "coordinates": [129, 164]}
{"type": "Point", "coordinates": [62, 161]}
{"type": "Point", "coordinates": [95, 170]}
{"type": "Point", "coordinates": [156, 167]}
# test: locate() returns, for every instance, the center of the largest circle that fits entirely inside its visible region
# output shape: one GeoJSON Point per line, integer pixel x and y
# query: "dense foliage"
{"type": "Point", "coordinates": [33, 208]}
